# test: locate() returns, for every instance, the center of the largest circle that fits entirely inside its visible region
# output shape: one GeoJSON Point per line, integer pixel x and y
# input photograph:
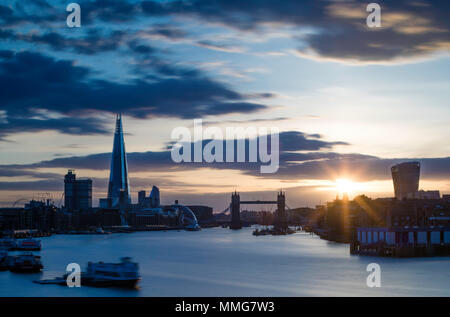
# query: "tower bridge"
{"type": "Point", "coordinates": [280, 214]}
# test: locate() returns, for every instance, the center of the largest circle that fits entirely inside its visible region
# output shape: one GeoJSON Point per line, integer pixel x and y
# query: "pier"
{"type": "Point", "coordinates": [402, 242]}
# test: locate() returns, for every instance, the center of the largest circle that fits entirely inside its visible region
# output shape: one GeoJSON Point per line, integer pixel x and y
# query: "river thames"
{"type": "Point", "coordinates": [223, 262]}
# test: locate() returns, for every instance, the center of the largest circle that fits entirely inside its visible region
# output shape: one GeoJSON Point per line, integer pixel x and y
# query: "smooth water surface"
{"type": "Point", "coordinates": [223, 262]}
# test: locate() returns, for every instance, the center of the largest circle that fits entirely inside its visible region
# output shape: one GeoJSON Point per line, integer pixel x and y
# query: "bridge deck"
{"type": "Point", "coordinates": [257, 202]}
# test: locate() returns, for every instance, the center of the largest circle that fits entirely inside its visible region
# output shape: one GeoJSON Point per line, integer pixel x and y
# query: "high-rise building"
{"type": "Point", "coordinates": [118, 188]}
{"type": "Point", "coordinates": [406, 179]}
{"type": "Point", "coordinates": [155, 200]}
{"type": "Point", "coordinates": [141, 197]}
{"type": "Point", "coordinates": [77, 192]}
{"type": "Point", "coordinates": [152, 201]}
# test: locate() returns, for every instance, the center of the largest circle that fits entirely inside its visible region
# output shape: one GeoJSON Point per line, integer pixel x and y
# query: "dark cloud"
{"type": "Point", "coordinates": [293, 167]}
{"type": "Point", "coordinates": [138, 48]}
{"type": "Point", "coordinates": [301, 157]}
{"type": "Point", "coordinates": [109, 10]}
{"type": "Point", "coordinates": [21, 171]}
{"type": "Point", "coordinates": [250, 121]}
{"type": "Point", "coordinates": [42, 185]}
{"type": "Point", "coordinates": [5, 11]}
{"type": "Point", "coordinates": [409, 28]}
{"type": "Point", "coordinates": [297, 141]}
{"type": "Point", "coordinates": [72, 125]}
{"type": "Point", "coordinates": [361, 168]}
{"type": "Point", "coordinates": [142, 161]}
{"type": "Point", "coordinates": [6, 34]}
{"type": "Point", "coordinates": [377, 46]}
{"type": "Point", "coordinates": [32, 11]}
{"type": "Point", "coordinates": [219, 46]}
{"type": "Point", "coordinates": [154, 8]}
{"type": "Point", "coordinates": [94, 42]}
{"type": "Point", "coordinates": [166, 31]}
{"type": "Point", "coordinates": [32, 81]}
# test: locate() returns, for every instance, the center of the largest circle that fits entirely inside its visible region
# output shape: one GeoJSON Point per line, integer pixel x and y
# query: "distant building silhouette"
{"type": "Point", "coordinates": [155, 199]}
{"type": "Point", "coordinates": [280, 215]}
{"type": "Point", "coordinates": [118, 188]}
{"type": "Point", "coordinates": [428, 194]}
{"type": "Point", "coordinates": [202, 213]}
{"type": "Point", "coordinates": [141, 197]}
{"type": "Point", "coordinates": [77, 192]}
{"type": "Point", "coordinates": [406, 178]}
{"type": "Point", "coordinates": [235, 211]}
{"type": "Point", "coordinates": [152, 201]}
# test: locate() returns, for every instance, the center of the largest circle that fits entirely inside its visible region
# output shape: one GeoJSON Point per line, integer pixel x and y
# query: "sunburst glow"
{"type": "Point", "coordinates": [344, 185]}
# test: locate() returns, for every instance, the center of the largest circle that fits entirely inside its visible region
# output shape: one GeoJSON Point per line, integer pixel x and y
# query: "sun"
{"type": "Point", "coordinates": [344, 185]}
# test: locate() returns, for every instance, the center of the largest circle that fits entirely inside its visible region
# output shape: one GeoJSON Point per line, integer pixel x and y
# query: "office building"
{"type": "Point", "coordinates": [406, 179]}
{"type": "Point", "coordinates": [77, 192]}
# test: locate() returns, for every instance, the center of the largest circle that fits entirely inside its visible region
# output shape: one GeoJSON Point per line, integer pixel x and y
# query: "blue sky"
{"type": "Point", "coordinates": [313, 69]}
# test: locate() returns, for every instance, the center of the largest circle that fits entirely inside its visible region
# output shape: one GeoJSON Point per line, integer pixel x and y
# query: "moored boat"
{"type": "Point", "coordinates": [3, 259]}
{"type": "Point", "coordinates": [29, 244]}
{"type": "Point", "coordinates": [25, 262]}
{"type": "Point", "coordinates": [8, 244]}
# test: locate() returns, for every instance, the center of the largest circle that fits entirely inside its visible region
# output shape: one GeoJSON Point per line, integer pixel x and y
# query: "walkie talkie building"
{"type": "Point", "coordinates": [118, 188]}
{"type": "Point", "coordinates": [406, 178]}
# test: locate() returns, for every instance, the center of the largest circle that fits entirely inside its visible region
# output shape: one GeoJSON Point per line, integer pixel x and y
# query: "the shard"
{"type": "Point", "coordinates": [118, 188]}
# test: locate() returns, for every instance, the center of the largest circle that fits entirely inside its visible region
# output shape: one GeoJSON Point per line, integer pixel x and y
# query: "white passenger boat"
{"type": "Point", "coordinates": [123, 274]}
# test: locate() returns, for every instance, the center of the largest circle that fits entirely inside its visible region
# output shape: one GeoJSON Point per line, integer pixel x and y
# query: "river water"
{"type": "Point", "coordinates": [223, 262]}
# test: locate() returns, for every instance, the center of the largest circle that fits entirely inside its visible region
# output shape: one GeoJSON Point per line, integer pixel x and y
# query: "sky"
{"type": "Point", "coordinates": [350, 101]}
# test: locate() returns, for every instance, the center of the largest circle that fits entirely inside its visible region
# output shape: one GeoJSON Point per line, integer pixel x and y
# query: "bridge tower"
{"type": "Point", "coordinates": [280, 218]}
{"type": "Point", "coordinates": [235, 211]}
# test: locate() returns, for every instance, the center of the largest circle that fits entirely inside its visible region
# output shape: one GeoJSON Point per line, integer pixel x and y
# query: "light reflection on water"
{"type": "Point", "coordinates": [222, 262]}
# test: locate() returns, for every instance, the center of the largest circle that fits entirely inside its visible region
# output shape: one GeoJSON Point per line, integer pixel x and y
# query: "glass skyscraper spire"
{"type": "Point", "coordinates": [118, 188]}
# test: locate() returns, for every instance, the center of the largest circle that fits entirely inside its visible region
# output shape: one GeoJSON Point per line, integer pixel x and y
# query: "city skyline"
{"type": "Point", "coordinates": [349, 107]}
